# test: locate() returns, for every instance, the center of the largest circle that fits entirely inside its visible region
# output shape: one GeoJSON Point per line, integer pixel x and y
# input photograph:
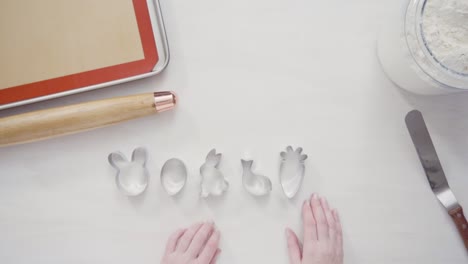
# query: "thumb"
{"type": "Point", "coordinates": [294, 248]}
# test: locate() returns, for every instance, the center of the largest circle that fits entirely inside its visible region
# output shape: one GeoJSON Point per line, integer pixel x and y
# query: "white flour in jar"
{"type": "Point", "coordinates": [445, 30]}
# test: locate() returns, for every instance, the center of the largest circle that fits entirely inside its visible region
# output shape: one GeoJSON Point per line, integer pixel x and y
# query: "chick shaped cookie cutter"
{"type": "Point", "coordinates": [255, 184]}
{"type": "Point", "coordinates": [132, 176]}
{"type": "Point", "coordinates": [212, 180]}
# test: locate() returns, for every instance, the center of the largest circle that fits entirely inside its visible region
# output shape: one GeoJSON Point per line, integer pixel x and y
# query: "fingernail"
{"type": "Point", "coordinates": [314, 196]}
{"type": "Point", "coordinates": [286, 233]}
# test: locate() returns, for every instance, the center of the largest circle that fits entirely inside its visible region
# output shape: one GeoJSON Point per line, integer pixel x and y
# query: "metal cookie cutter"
{"type": "Point", "coordinates": [173, 176]}
{"type": "Point", "coordinates": [132, 176]}
{"type": "Point", "coordinates": [292, 170]}
{"type": "Point", "coordinates": [255, 184]}
{"type": "Point", "coordinates": [212, 180]}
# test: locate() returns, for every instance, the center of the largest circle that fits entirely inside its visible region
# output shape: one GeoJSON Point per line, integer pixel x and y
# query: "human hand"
{"type": "Point", "coordinates": [197, 244]}
{"type": "Point", "coordinates": [323, 239]}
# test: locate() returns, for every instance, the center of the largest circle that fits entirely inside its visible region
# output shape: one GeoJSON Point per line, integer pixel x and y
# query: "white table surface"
{"type": "Point", "coordinates": [252, 77]}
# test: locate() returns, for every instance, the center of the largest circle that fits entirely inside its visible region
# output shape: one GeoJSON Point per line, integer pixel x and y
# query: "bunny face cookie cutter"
{"type": "Point", "coordinates": [212, 180]}
{"type": "Point", "coordinates": [132, 176]}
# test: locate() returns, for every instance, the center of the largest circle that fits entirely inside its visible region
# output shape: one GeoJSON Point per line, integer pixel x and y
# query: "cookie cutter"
{"type": "Point", "coordinates": [212, 180]}
{"type": "Point", "coordinates": [255, 184]}
{"type": "Point", "coordinates": [292, 170]}
{"type": "Point", "coordinates": [173, 176]}
{"type": "Point", "coordinates": [132, 176]}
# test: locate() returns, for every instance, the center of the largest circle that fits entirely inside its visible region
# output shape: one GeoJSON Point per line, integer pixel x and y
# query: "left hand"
{"type": "Point", "coordinates": [197, 244]}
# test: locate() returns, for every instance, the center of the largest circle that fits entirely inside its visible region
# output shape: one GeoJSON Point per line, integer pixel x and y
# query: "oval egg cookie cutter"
{"type": "Point", "coordinates": [173, 176]}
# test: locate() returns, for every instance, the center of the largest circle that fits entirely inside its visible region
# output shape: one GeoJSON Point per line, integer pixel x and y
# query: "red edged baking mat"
{"type": "Point", "coordinates": [52, 46]}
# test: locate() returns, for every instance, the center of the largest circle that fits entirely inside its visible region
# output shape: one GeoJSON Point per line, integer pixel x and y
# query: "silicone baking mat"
{"type": "Point", "coordinates": [52, 46]}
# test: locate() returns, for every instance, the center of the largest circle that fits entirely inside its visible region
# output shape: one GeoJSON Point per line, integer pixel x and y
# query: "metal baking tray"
{"type": "Point", "coordinates": [160, 38]}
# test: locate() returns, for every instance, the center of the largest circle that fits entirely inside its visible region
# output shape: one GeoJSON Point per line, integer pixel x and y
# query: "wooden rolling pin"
{"type": "Point", "coordinates": [71, 119]}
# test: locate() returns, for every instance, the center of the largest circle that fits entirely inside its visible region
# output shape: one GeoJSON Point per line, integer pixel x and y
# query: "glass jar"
{"type": "Point", "coordinates": [408, 59]}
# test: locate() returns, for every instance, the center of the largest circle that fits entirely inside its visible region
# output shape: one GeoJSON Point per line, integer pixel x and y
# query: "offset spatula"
{"type": "Point", "coordinates": [435, 175]}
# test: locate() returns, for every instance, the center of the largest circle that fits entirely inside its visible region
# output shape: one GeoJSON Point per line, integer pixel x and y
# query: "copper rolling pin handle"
{"type": "Point", "coordinates": [71, 119]}
{"type": "Point", "coordinates": [461, 223]}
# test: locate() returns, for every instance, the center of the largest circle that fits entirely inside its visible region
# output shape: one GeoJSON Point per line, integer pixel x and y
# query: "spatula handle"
{"type": "Point", "coordinates": [462, 225]}
{"type": "Point", "coordinates": [70, 119]}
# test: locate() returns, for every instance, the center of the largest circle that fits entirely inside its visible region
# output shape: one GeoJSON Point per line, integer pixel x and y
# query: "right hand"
{"type": "Point", "coordinates": [197, 244]}
{"type": "Point", "coordinates": [323, 239]}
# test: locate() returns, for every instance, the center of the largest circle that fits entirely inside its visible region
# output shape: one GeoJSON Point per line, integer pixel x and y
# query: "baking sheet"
{"type": "Point", "coordinates": [117, 42]}
{"type": "Point", "coordinates": [64, 42]}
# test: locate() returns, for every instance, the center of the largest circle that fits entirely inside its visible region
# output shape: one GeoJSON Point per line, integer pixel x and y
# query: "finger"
{"type": "Point", "coordinates": [200, 239]}
{"type": "Point", "coordinates": [172, 241]}
{"type": "Point", "coordinates": [308, 221]}
{"type": "Point", "coordinates": [215, 258]}
{"type": "Point", "coordinates": [187, 237]}
{"type": "Point", "coordinates": [319, 216]}
{"type": "Point", "coordinates": [329, 216]}
{"type": "Point", "coordinates": [210, 248]}
{"type": "Point", "coordinates": [294, 248]}
{"type": "Point", "coordinates": [299, 150]}
{"type": "Point", "coordinates": [339, 229]}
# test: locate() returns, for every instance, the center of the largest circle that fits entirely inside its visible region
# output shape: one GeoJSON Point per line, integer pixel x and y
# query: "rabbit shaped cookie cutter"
{"type": "Point", "coordinates": [212, 180]}
{"type": "Point", "coordinates": [132, 176]}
